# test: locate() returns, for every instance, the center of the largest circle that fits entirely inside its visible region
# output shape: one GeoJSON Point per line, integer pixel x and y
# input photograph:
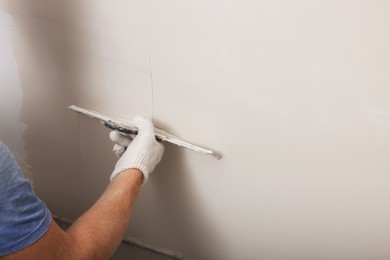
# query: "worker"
{"type": "Point", "coordinates": [27, 229]}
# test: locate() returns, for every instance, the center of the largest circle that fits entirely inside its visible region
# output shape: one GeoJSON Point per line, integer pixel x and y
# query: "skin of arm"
{"type": "Point", "coordinates": [97, 233]}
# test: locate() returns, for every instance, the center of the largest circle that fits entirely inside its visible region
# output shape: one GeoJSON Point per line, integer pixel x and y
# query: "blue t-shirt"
{"type": "Point", "coordinates": [24, 218]}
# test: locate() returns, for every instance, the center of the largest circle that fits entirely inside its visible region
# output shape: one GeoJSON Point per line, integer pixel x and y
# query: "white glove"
{"type": "Point", "coordinates": [143, 153]}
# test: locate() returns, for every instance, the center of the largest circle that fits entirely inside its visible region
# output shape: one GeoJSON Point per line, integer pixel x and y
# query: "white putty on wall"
{"type": "Point", "coordinates": [11, 96]}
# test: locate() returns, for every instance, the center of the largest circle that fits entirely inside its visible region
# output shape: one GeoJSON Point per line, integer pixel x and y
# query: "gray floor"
{"type": "Point", "coordinates": [128, 250]}
{"type": "Point", "coordinates": [133, 252]}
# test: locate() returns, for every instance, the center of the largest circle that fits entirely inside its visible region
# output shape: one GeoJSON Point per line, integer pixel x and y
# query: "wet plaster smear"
{"type": "Point", "coordinates": [295, 94]}
{"type": "Point", "coordinates": [11, 127]}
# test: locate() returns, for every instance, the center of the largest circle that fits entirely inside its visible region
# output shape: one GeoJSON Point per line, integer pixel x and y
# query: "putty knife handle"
{"type": "Point", "coordinates": [124, 130]}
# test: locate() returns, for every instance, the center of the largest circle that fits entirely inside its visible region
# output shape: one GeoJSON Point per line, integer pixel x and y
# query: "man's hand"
{"type": "Point", "coordinates": [143, 153]}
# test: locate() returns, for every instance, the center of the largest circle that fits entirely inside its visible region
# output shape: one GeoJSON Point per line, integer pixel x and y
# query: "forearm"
{"type": "Point", "coordinates": [98, 232]}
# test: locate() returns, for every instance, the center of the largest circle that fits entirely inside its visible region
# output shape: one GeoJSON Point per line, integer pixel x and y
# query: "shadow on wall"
{"type": "Point", "coordinates": [175, 216]}
{"type": "Point", "coordinates": [43, 43]}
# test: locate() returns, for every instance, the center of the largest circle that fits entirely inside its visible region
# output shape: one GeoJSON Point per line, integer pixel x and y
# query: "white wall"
{"type": "Point", "coordinates": [293, 93]}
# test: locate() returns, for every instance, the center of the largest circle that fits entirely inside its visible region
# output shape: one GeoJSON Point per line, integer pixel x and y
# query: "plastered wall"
{"type": "Point", "coordinates": [295, 94]}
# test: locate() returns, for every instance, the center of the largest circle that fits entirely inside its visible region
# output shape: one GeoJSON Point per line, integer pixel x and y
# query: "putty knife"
{"type": "Point", "coordinates": [128, 128]}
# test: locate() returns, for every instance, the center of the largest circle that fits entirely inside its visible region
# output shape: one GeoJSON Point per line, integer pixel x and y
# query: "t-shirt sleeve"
{"type": "Point", "coordinates": [24, 218]}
